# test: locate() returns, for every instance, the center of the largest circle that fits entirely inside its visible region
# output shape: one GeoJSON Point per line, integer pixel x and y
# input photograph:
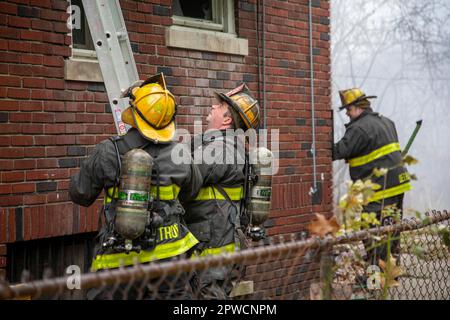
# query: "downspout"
{"type": "Point", "coordinates": [313, 189]}
{"type": "Point", "coordinates": [264, 62]}
{"type": "Point", "coordinates": [261, 48]}
{"type": "Point", "coordinates": [258, 53]}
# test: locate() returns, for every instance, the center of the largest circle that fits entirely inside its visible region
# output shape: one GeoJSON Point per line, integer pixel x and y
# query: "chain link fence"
{"type": "Point", "coordinates": [281, 267]}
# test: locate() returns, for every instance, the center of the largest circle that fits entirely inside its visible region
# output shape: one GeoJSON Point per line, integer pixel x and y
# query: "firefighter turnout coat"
{"type": "Point", "coordinates": [370, 142]}
{"type": "Point", "coordinates": [177, 181]}
{"type": "Point", "coordinates": [213, 216]}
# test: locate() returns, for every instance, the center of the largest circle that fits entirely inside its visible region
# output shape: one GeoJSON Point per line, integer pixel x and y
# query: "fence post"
{"type": "Point", "coordinates": [326, 273]}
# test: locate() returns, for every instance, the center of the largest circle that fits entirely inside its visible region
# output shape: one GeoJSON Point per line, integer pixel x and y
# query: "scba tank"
{"type": "Point", "coordinates": [132, 211]}
{"type": "Point", "coordinates": [261, 160]}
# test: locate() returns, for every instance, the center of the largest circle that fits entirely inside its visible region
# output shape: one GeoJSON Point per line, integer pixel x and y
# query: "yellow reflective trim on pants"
{"type": "Point", "coordinates": [391, 192]}
{"type": "Point", "coordinates": [229, 248]}
{"type": "Point", "coordinates": [166, 193]}
{"type": "Point", "coordinates": [211, 193]}
{"type": "Point", "coordinates": [161, 251]}
{"type": "Point", "coordinates": [378, 153]}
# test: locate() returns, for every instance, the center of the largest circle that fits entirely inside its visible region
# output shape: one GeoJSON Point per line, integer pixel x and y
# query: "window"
{"type": "Point", "coordinates": [82, 45]}
{"type": "Point", "coordinates": [205, 25]}
{"type": "Point", "coordinates": [215, 15]}
{"type": "Point", "coordinates": [83, 64]}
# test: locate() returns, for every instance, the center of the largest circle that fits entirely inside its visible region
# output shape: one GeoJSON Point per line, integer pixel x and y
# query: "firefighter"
{"type": "Point", "coordinates": [370, 142]}
{"type": "Point", "coordinates": [151, 115]}
{"type": "Point", "coordinates": [214, 215]}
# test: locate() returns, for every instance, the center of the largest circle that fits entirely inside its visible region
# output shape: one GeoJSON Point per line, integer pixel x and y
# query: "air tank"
{"type": "Point", "coordinates": [132, 212]}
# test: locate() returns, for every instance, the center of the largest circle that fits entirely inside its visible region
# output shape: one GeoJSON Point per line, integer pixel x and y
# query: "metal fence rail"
{"type": "Point", "coordinates": [283, 269]}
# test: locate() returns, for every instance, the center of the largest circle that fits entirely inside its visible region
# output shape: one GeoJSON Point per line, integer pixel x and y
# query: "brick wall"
{"type": "Point", "coordinates": [48, 124]}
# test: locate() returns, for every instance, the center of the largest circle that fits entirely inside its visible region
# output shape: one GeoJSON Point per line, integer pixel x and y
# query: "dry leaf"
{"type": "Point", "coordinates": [390, 272]}
{"type": "Point", "coordinates": [322, 226]}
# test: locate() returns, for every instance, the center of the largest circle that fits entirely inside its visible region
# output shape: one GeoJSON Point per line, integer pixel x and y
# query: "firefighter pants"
{"type": "Point", "coordinates": [377, 252]}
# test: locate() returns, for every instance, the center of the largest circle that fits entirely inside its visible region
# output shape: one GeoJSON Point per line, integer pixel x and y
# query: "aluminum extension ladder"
{"type": "Point", "coordinates": [111, 42]}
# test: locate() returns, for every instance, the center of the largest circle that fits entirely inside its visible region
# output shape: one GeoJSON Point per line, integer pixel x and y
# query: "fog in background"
{"type": "Point", "coordinates": [398, 50]}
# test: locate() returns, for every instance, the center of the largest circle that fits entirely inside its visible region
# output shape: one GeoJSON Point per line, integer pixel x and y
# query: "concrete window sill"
{"type": "Point", "coordinates": [82, 70]}
{"type": "Point", "coordinates": [204, 40]}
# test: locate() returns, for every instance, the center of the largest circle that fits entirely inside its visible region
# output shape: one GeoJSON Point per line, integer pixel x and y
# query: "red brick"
{"type": "Point", "coordinates": [22, 141]}
{"type": "Point", "coordinates": [76, 106]}
{"type": "Point", "coordinates": [30, 105]}
{"type": "Point", "coordinates": [44, 117]}
{"type": "Point", "coordinates": [42, 25]}
{"type": "Point", "coordinates": [54, 84]}
{"type": "Point", "coordinates": [20, 46]}
{"type": "Point", "coordinates": [19, 93]}
{"type": "Point", "coordinates": [8, 8]}
{"type": "Point", "coordinates": [32, 59]}
{"type": "Point", "coordinates": [37, 175]}
{"type": "Point", "coordinates": [6, 165]}
{"type": "Point", "coordinates": [93, 129]}
{"type": "Point", "coordinates": [11, 200]}
{"type": "Point", "coordinates": [10, 153]}
{"type": "Point", "coordinates": [13, 176]}
{"type": "Point", "coordinates": [24, 164]}
{"type": "Point", "coordinates": [58, 174]}
{"type": "Point", "coordinates": [35, 152]}
{"type": "Point", "coordinates": [5, 141]}
{"type": "Point", "coordinates": [3, 225]}
{"type": "Point", "coordinates": [53, 61]}
{"type": "Point", "coordinates": [104, 118]}
{"type": "Point", "coordinates": [86, 140]}
{"type": "Point", "coordinates": [56, 151]}
{"type": "Point", "coordinates": [58, 197]}
{"type": "Point", "coordinates": [65, 140]}
{"type": "Point", "coordinates": [46, 163]}
{"type": "Point", "coordinates": [31, 35]}
{"type": "Point", "coordinates": [10, 33]}
{"type": "Point", "coordinates": [54, 128]}
{"type": "Point", "coordinates": [33, 128]}
{"type": "Point", "coordinates": [54, 106]}
{"type": "Point", "coordinates": [34, 199]}
{"type": "Point", "coordinates": [5, 188]}
{"type": "Point", "coordinates": [44, 140]}
{"type": "Point", "coordinates": [10, 57]}
{"type": "Point", "coordinates": [33, 83]}
{"type": "Point", "coordinates": [54, 38]}
{"type": "Point", "coordinates": [20, 117]}
{"type": "Point", "coordinates": [42, 221]}
{"type": "Point", "coordinates": [9, 105]}
{"type": "Point", "coordinates": [19, 22]}
{"type": "Point", "coordinates": [76, 128]}
{"type": "Point", "coordinates": [95, 107]}
{"type": "Point", "coordinates": [85, 117]}
{"type": "Point", "coordinates": [3, 44]}
{"type": "Point", "coordinates": [23, 188]}
{"type": "Point", "coordinates": [65, 117]}
{"type": "Point", "coordinates": [63, 185]}
{"type": "Point", "coordinates": [10, 81]}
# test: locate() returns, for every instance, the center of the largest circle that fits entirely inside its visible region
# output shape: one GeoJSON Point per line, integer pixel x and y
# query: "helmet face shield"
{"type": "Point", "coordinates": [152, 110]}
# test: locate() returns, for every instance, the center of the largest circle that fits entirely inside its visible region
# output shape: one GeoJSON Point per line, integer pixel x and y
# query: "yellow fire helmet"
{"type": "Point", "coordinates": [243, 104]}
{"type": "Point", "coordinates": [152, 109]}
{"type": "Point", "coordinates": [350, 97]}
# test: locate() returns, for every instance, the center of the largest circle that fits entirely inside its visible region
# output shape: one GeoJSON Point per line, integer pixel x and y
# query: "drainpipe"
{"type": "Point", "coordinates": [261, 48]}
{"type": "Point", "coordinates": [313, 190]}
{"type": "Point", "coordinates": [264, 62]}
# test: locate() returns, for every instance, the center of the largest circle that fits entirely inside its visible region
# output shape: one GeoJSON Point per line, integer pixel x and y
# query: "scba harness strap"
{"type": "Point", "coordinates": [171, 238]}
